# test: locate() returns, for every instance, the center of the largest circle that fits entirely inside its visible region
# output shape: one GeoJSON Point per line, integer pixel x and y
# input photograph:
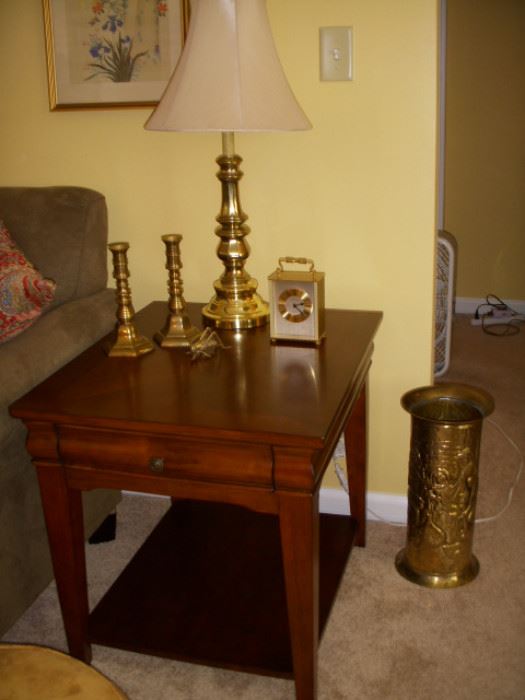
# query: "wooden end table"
{"type": "Point", "coordinates": [242, 570]}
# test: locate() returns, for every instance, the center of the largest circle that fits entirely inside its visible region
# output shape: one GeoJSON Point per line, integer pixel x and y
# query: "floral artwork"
{"type": "Point", "coordinates": [112, 51]}
{"type": "Point", "coordinates": [124, 37]}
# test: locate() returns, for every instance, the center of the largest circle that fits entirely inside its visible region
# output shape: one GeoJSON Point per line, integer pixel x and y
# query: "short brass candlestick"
{"type": "Point", "coordinates": [236, 304]}
{"type": "Point", "coordinates": [128, 342]}
{"type": "Point", "coordinates": [178, 331]}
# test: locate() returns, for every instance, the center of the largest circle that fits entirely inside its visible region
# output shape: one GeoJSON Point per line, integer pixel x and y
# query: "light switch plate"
{"type": "Point", "coordinates": [335, 53]}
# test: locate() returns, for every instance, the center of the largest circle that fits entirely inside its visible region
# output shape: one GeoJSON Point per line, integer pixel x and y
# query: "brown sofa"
{"type": "Point", "coordinates": [63, 232]}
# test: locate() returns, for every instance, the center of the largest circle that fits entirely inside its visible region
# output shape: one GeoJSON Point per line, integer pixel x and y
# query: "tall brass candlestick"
{"type": "Point", "coordinates": [178, 331]}
{"type": "Point", "coordinates": [128, 342]}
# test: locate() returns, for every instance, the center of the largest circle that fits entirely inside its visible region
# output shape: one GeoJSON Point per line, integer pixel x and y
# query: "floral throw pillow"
{"type": "Point", "coordinates": [23, 290]}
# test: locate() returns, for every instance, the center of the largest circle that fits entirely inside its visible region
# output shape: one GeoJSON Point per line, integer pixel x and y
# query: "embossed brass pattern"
{"type": "Point", "coordinates": [178, 331]}
{"type": "Point", "coordinates": [443, 483]}
{"type": "Point", "coordinates": [128, 342]}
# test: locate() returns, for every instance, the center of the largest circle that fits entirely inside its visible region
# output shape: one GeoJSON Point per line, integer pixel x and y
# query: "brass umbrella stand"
{"type": "Point", "coordinates": [443, 483]}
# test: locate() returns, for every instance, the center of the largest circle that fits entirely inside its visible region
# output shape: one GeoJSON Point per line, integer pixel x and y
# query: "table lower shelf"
{"type": "Point", "coordinates": [207, 586]}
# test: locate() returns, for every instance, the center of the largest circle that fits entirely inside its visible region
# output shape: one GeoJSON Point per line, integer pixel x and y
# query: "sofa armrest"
{"type": "Point", "coordinates": [63, 232]}
{"type": "Point", "coordinates": [54, 340]}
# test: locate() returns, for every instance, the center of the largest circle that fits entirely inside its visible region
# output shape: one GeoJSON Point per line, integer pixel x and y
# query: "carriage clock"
{"type": "Point", "coordinates": [297, 303]}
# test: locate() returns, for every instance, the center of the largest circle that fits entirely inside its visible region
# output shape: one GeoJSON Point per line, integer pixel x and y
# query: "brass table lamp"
{"type": "Point", "coordinates": [229, 79]}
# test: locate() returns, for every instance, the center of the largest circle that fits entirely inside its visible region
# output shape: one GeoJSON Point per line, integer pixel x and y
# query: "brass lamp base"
{"type": "Point", "coordinates": [247, 312]}
{"type": "Point", "coordinates": [236, 304]}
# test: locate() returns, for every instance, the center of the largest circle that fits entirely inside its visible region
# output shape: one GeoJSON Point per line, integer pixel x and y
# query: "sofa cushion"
{"type": "Point", "coordinates": [24, 292]}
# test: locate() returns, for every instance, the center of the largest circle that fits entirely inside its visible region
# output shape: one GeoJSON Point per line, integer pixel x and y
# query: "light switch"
{"type": "Point", "coordinates": [335, 48]}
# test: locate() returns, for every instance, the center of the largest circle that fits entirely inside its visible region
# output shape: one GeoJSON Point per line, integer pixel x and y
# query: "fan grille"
{"type": "Point", "coordinates": [444, 299]}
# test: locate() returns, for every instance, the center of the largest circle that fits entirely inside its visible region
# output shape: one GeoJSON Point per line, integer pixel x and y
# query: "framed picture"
{"type": "Point", "coordinates": [112, 53]}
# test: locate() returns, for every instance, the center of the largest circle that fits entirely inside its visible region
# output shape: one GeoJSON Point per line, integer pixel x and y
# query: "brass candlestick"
{"type": "Point", "coordinates": [178, 331]}
{"type": "Point", "coordinates": [128, 342]}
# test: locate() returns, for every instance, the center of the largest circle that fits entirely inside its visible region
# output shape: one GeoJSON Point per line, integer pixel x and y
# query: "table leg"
{"type": "Point", "coordinates": [356, 462]}
{"type": "Point", "coordinates": [299, 524]}
{"type": "Point", "coordinates": [65, 529]}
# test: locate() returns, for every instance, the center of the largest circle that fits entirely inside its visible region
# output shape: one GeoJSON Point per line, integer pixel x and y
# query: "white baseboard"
{"type": "Point", "coordinates": [468, 305]}
{"type": "Point", "coordinates": [387, 507]}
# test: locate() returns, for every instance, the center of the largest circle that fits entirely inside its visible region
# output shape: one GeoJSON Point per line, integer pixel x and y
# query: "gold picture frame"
{"type": "Point", "coordinates": [111, 53]}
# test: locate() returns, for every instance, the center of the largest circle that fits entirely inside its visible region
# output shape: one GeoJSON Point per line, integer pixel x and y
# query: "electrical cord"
{"type": "Point", "coordinates": [493, 308]}
{"type": "Point", "coordinates": [516, 479]}
{"type": "Point", "coordinates": [340, 472]}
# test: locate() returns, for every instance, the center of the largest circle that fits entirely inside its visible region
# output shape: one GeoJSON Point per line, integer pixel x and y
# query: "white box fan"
{"type": "Point", "coordinates": [444, 302]}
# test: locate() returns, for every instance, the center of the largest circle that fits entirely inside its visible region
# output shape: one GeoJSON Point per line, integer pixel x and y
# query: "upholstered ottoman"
{"type": "Point", "coordinates": [31, 673]}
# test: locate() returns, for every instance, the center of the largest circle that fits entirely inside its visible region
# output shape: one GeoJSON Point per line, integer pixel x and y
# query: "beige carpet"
{"type": "Point", "coordinates": [386, 638]}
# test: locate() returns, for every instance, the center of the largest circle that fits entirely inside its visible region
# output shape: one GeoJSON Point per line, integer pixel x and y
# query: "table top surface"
{"type": "Point", "coordinates": [253, 389]}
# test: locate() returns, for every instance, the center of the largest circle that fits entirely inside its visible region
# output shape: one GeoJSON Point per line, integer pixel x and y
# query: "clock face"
{"type": "Point", "coordinates": [295, 305]}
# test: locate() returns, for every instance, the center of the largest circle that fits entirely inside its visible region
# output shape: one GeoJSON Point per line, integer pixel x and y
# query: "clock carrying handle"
{"type": "Point", "coordinates": [298, 261]}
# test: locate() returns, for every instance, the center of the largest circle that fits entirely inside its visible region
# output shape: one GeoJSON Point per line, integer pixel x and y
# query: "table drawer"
{"type": "Point", "coordinates": [139, 453]}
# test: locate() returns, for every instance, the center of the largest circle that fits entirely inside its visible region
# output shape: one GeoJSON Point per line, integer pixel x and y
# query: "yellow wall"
{"type": "Point", "coordinates": [485, 145]}
{"type": "Point", "coordinates": [357, 193]}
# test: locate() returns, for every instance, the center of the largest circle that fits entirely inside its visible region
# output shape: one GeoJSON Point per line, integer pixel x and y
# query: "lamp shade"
{"type": "Point", "coordinates": [229, 77]}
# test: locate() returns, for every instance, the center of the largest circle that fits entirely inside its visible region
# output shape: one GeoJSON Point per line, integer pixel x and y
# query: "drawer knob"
{"type": "Point", "coordinates": [156, 464]}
